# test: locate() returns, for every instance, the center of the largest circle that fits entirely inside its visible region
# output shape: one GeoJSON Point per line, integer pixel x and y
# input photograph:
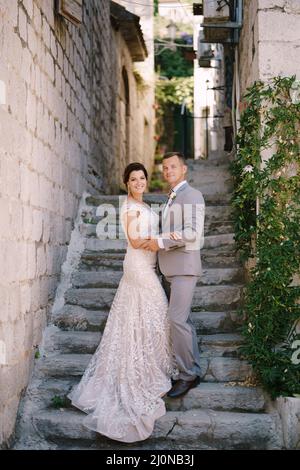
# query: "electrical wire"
{"type": "Point", "coordinates": [183, 5]}
{"type": "Point", "coordinates": [171, 43]}
{"type": "Point", "coordinates": [159, 6]}
{"type": "Point", "coordinates": [185, 11]}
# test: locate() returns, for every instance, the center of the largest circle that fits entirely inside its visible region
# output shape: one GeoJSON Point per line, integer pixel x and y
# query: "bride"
{"type": "Point", "coordinates": [122, 387]}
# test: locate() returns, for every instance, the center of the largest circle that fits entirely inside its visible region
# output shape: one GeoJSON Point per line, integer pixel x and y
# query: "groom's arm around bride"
{"type": "Point", "coordinates": [180, 263]}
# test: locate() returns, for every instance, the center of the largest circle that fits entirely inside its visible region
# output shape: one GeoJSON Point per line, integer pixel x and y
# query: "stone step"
{"type": "Point", "coordinates": [86, 342]}
{"type": "Point", "coordinates": [218, 218]}
{"type": "Point", "coordinates": [220, 396]}
{"type": "Point", "coordinates": [221, 247]}
{"type": "Point", "coordinates": [220, 257]}
{"type": "Point", "coordinates": [74, 317]}
{"type": "Point", "coordinates": [80, 319]}
{"type": "Point", "coordinates": [217, 157]}
{"type": "Point", "coordinates": [111, 210]}
{"type": "Point", "coordinates": [193, 429]}
{"type": "Point", "coordinates": [113, 226]}
{"type": "Point", "coordinates": [74, 342]}
{"type": "Point", "coordinates": [214, 212]}
{"type": "Point", "coordinates": [111, 278]}
{"type": "Point", "coordinates": [222, 412]}
{"type": "Point", "coordinates": [214, 186]}
{"type": "Point", "coordinates": [215, 298]}
{"type": "Point", "coordinates": [210, 228]}
{"type": "Point", "coordinates": [211, 199]}
{"type": "Point", "coordinates": [220, 345]}
{"type": "Point", "coordinates": [211, 163]}
{"type": "Point", "coordinates": [210, 179]}
{"type": "Point", "coordinates": [99, 262]}
{"type": "Point", "coordinates": [115, 244]}
{"type": "Point", "coordinates": [223, 256]}
{"type": "Point", "coordinates": [213, 369]}
{"type": "Point", "coordinates": [215, 396]}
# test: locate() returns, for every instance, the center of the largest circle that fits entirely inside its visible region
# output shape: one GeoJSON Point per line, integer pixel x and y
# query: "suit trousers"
{"type": "Point", "coordinates": [183, 331]}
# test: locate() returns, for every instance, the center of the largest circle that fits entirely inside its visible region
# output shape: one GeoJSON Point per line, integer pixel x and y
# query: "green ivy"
{"type": "Point", "coordinates": [59, 401]}
{"type": "Point", "coordinates": [271, 234]}
{"type": "Point", "coordinates": [170, 63]}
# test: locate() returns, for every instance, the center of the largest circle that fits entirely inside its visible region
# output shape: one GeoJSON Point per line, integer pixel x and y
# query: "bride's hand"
{"type": "Point", "coordinates": [175, 236]}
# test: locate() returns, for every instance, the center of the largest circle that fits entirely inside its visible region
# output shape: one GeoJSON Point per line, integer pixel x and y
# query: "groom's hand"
{"type": "Point", "coordinates": [152, 245]}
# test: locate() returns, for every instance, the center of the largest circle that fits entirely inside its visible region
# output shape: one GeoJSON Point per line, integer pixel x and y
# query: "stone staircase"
{"type": "Point", "coordinates": [223, 412]}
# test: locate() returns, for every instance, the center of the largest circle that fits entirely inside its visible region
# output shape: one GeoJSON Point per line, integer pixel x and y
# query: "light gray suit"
{"type": "Point", "coordinates": [180, 263]}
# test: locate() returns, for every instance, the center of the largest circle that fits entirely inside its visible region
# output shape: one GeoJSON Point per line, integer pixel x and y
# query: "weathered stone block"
{"type": "Point", "coordinates": [277, 26]}
{"type": "Point", "coordinates": [28, 5]}
{"type": "Point", "coordinates": [22, 24]}
{"type": "Point", "coordinates": [289, 411]}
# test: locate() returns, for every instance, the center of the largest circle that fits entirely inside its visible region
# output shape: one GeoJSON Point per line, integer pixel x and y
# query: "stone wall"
{"type": "Point", "coordinates": [248, 46]}
{"type": "Point", "coordinates": [58, 126]}
{"type": "Point", "coordinates": [141, 89]}
{"type": "Point", "coordinates": [134, 137]}
{"type": "Point", "coordinates": [269, 46]}
{"type": "Point", "coordinates": [270, 40]}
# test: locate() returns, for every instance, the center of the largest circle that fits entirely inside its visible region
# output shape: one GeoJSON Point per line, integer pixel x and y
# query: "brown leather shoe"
{"type": "Point", "coordinates": [182, 386]}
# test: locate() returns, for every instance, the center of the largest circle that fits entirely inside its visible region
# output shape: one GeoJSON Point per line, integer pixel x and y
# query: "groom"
{"type": "Point", "coordinates": [180, 263]}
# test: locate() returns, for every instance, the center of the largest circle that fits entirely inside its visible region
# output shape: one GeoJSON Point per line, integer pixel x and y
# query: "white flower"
{"type": "Point", "coordinates": [295, 92]}
{"type": "Point", "coordinates": [173, 195]}
{"type": "Point", "coordinates": [248, 169]}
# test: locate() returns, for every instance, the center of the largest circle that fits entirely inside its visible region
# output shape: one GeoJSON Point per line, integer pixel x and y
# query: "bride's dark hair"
{"type": "Point", "coordinates": [135, 166]}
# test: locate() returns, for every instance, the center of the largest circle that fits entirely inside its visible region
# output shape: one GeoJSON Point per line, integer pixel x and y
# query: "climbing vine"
{"type": "Point", "coordinates": [266, 202]}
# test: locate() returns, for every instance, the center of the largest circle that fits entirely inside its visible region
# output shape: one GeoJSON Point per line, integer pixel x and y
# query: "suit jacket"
{"type": "Point", "coordinates": [185, 215]}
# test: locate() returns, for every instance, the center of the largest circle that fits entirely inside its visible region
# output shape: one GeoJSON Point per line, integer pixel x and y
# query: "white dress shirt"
{"type": "Point", "coordinates": [160, 240]}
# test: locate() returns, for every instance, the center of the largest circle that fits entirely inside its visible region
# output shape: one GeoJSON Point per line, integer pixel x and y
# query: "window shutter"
{"type": "Point", "coordinates": [71, 10]}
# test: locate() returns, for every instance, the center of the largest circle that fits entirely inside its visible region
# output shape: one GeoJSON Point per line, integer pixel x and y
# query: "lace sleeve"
{"type": "Point", "coordinates": [127, 207]}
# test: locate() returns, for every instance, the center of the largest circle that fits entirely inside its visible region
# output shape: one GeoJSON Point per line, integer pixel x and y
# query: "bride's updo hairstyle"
{"type": "Point", "coordinates": [135, 166]}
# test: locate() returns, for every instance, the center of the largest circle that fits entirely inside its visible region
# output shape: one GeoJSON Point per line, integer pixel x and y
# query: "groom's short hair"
{"type": "Point", "coordinates": [180, 155]}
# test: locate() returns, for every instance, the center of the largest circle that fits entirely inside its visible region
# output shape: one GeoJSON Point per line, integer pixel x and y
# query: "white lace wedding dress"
{"type": "Point", "coordinates": [131, 369]}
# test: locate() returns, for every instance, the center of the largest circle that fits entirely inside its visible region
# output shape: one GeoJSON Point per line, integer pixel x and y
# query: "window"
{"type": "Point", "coordinates": [71, 10]}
